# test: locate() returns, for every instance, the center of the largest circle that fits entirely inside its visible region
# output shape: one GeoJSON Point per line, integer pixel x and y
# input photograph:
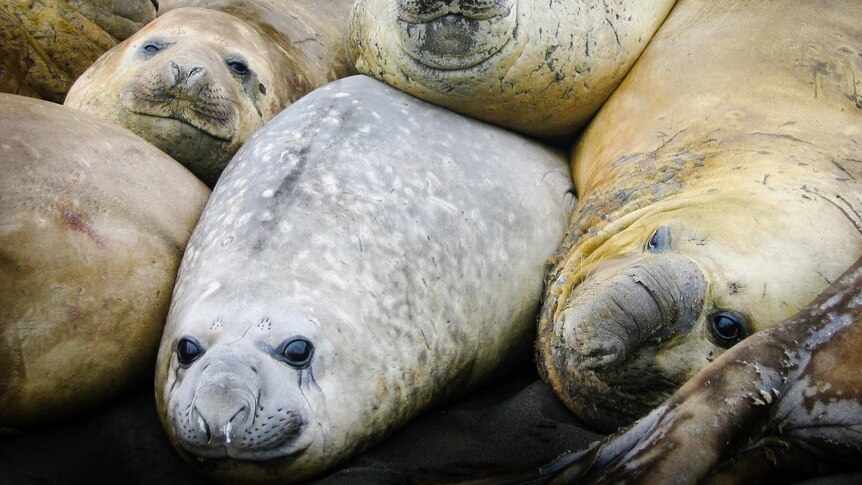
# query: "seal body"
{"type": "Point", "coordinates": [45, 45]}
{"type": "Point", "coordinates": [541, 68]}
{"type": "Point", "coordinates": [783, 406]}
{"type": "Point", "coordinates": [364, 256]}
{"type": "Point", "coordinates": [196, 82]}
{"type": "Point", "coordinates": [93, 222]}
{"type": "Point", "coordinates": [727, 204]}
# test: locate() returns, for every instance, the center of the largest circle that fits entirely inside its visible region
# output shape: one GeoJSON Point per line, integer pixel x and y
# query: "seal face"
{"type": "Point", "coordinates": [350, 271]}
{"type": "Point", "coordinates": [717, 214]}
{"type": "Point", "coordinates": [541, 68]}
{"type": "Point", "coordinates": [455, 35]}
{"type": "Point", "coordinates": [791, 392]}
{"type": "Point", "coordinates": [194, 82]}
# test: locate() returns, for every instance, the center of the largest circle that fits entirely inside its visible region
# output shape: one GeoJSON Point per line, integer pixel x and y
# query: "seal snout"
{"type": "Point", "coordinates": [454, 34]}
{"type": "Point", "coordinates": [218, 411]}
{"type": "Point", "coordinates": [184, 77]}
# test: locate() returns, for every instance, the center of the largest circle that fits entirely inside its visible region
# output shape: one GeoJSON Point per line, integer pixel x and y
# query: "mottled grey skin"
{"type": "Point", "coordinates": [783, 406]}
{"type": "Point", "coordinates": [405, 242]}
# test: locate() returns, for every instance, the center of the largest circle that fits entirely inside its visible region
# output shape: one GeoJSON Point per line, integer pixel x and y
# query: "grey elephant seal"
{"type": "Point", "coordinates": [197, 82]}
{"type": "Point", "coordinates": [537, 67]}
{"type": "Point", "coordinates": [783, 406]}
{"type": "Point", "coordinates": [93, 222]}
{"type": "Point", "coordinates": [45, 45]}
{"type": "Point", "coordinates": [363, 257]}
{"type": "Point", "coordinates": [727, 204]}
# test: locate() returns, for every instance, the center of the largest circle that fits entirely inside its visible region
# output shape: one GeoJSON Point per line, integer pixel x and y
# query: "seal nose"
{"type": "Point", "coordinates": [597, 348]}
{"type": "Point", "coordinates": [630, 304]}
{"type": "Point", "coordinates": [184, 75]}
{"type": "Point", "coordinates": [219, 411]}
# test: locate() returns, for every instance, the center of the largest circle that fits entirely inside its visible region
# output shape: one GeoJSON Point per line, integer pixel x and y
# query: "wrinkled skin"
{"type": "Point", "coordinates": [727, 204]}
{"type": "Point", "coordinates": [349, 272]}
{"type": "Point", "coordinates": [45, 45]}
{"type": "Point", "coordinates": [194, 82]}
{"type": "Point", "coordinates": [540, 68]}
{"type": "Point", "coordinates": [93, 223]}
{"type": "Point", "coordinates": [782, 406]}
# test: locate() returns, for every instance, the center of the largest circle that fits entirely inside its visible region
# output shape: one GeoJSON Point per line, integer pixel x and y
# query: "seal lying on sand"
{"type": "Point", "coordinates": [363, 257]}
{"type": "Point", "coordinates": [46, 45]}
{"type": "Point", "coordinates": [724, 206]}
{"type": "Point", "coordinates": [93, 221]}
{"type": "Point", "coordinates": [197, 82]}
{"type": "Point", "coordinates": [783, 406]}
{"type": "Point", "coordinates": [541, 68]}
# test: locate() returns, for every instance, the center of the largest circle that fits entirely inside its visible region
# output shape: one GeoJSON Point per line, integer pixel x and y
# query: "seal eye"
{"type": "Point", "coordinates": [238, 67]}
{"type": "Point", "coordinates": [728, 328]}
{"type": "Point", "coordinates": [659, 242]}
{"type": "Point", "coordinates": [297, 352]}
{"type": "Point", "coordinates": [151, 47]}
{"type": "Point", "coordinates": [188, 351]}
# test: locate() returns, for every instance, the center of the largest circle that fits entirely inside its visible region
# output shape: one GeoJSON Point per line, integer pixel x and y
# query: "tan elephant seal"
{"type": "Point", "coordinates": [540, 68]}
{"type": "Point", "coordinates": [197, 82]}
{"type": "Point", "coordinates": [715, 201]}
{"type": "Point", "coordinates": [93, 222]}
{"type": "Point", "coordinates": [365, 256]}
{"type": "Point", "coordinates": [45, 45]}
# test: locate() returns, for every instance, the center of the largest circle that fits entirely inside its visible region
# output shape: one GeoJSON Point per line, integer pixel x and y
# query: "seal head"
{"type": "Point", "coordinates": [194, 82]}
{"type": "Point", "coordinates": [540, 68]}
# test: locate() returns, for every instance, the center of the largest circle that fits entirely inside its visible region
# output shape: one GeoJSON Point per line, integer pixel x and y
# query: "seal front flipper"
{"type": "Point", "coordinates": [784, 404]}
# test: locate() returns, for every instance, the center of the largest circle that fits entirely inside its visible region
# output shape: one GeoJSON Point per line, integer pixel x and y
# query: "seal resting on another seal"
{"type": "Point", "coordinates": [541, 68]}
{"type": "Point", "coordinates": [45, 45]}
{"type": "Point", "coordinates": [93, 221]}
{"type": "Point", "coordinates": [783, 406]}
{"type": "Point", "coordinates": [198, 82]}
{"type": "Point", "coordinates": [728, 203]}
{"type": "Point", "coordinates": [365, 255]}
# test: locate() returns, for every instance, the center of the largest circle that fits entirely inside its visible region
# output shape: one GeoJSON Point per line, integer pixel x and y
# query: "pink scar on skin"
{"type": "Point", "coordinates": [77, 223]}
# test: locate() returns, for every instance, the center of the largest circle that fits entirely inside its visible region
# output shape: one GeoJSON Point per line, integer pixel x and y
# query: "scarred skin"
{"type": "Point", "coordinates": [782, 406]}
{"type": "Point", "coordinates": [540, 68]}
{"type": "Point", "coordinates": [713, 202]}
{"type": "Point", "coordinates": [45, 45]}
{"type": "Point", "coordinates": [410, 266]}
{"type": "Point", "coordinates": [197, 82]}
{"type": "Point", "coordinates": [93, 223]}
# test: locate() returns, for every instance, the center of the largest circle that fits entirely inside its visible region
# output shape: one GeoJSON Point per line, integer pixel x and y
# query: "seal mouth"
{"type": "Point", "coordinates": [261, 437]}
{"type": "Point", "coordinates": [451, 37]}
{"type": "Point", "coordinates": [211, 118]}
{"type": "Point", "coordinates": [187, 113]}
{"type": "Point", "coordinates": [610, 400]}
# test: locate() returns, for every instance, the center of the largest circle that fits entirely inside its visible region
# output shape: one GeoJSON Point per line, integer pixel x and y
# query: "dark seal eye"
{"type": "Point", "coordinates": [728, 328]}
{"type": "Point", "coordinates": [297, 352]}
{"type": "Point", "coordinates": [238, 67]}
{"type": "Point", "coordinates": [152, 47]}
{"type": "Point", "coordinates": [659, 242]}
{"type": "Point", "coordinates": [188, 351]}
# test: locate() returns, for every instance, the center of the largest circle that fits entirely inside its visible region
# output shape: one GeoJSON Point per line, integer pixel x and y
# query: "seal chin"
{"type": "Point", "coordinates": [455, 38]}
{"type": "Point", "coordinates": [609, 398]}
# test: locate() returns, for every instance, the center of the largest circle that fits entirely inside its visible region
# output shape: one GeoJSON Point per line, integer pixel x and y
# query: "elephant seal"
{"type": "Point", "coordinates": [197, 82]}
{"type": "Point", "coordinates": [540, 68]}
{"type": "Point", "coordinates": [46, 45]}
{"type": "Point", "coordinates": [784, 405]}
{"type": "Point", "coordinates": [364, 256]}
{"type": "Point", "coordinates": [93, 222]}
{"type": "Point", "coordinates": [728, 203]}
